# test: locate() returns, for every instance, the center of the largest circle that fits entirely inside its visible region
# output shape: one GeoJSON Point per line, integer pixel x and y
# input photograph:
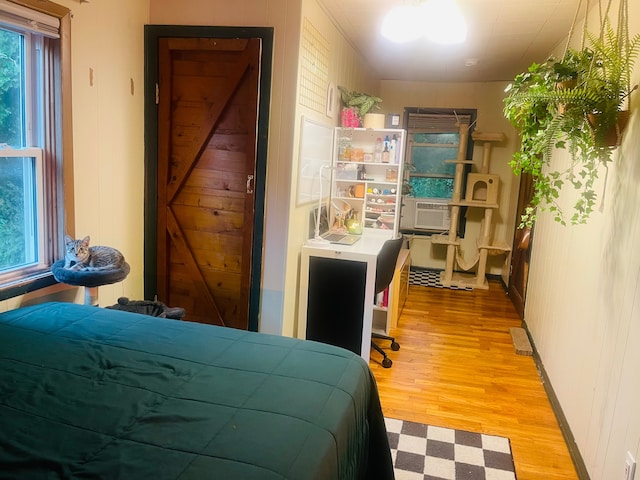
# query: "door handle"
{"type": "Point", "coordinates": [249, 180]}
{"type": "Point", "coordinates": [523, 244]}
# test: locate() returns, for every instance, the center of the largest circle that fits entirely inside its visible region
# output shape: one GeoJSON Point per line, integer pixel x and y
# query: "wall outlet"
{"type": "Point", "coordinates": [629, 467]}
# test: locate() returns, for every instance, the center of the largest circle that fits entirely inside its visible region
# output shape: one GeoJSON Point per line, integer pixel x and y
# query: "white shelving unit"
{"type": "Point", "coordinates": [370, 186]}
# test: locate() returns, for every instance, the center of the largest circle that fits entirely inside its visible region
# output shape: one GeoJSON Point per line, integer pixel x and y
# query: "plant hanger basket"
{"type": "Point", "coordinates": [611, 137]}
{"type": "Point", "coordinates": [580, 103]}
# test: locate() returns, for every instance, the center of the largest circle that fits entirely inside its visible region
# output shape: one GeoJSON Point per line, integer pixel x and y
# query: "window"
{"type": "Point", "coordinates": [433, 142]}
{"type": "Point", "coordinates": [431, 176]}
{"type": "Point", "coordinates": [33, 142]}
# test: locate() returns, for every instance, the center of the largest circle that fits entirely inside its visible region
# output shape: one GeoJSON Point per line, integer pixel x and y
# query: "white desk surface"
{"type": "Point", "coordinates": [369, 244]}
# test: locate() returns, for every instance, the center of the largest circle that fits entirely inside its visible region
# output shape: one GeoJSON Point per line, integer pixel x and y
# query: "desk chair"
{"type": "Point", "coordinates": [385, 268]}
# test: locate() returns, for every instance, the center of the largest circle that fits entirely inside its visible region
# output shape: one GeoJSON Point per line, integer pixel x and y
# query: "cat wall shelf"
{"type": "Point", "coordinates": [89, 267]}
{"type": "Point", "coordinates": [91, 280]}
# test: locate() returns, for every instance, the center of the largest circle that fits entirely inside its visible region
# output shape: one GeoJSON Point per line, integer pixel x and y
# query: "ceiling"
{"type": "Point", "coordinates": [504, 37]}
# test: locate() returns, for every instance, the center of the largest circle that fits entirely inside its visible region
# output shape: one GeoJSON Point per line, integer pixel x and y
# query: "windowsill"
{"type": "Point", "coordinates": [425, 232]}
{"type": "Point", "coordinates": [31, 284]}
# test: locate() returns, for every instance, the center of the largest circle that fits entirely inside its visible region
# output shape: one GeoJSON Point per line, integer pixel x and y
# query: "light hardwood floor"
{"type": "Point", "coordinates": [457, 368]}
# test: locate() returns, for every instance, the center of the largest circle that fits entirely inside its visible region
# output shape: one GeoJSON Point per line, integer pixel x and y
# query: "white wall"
{"type": "Point", "coordinates": [348, 69]}
{"type": "Point", "coordinates": [107, 47]}
{"type": "Point", "coordinates": [583, 308]}
{"type": "Point", "coordinates": [108, 119]}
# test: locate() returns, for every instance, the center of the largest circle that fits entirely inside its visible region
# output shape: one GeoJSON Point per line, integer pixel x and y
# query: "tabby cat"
{"type": "Point", "coordinates": [80, 256]}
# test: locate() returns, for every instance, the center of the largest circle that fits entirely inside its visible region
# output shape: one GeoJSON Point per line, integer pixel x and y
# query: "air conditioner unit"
{"type": "Point", "coordinates": [425, 214]}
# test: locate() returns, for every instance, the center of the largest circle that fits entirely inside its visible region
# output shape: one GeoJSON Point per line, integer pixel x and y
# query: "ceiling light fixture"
{"type": "Point", "coordinates": [404, 24]}
{"type": "Point", "coordinates": [439, 20]}
{"type": "Point", "coordinates": [445, 23]}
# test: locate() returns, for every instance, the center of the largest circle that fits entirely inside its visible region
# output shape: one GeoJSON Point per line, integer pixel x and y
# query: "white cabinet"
{"type": "Point", "coordinates": [367, 181]}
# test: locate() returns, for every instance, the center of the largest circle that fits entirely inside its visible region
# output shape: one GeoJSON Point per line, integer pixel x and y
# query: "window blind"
{"type": "Point", "coordinates": [436, 122]}
{"type": "Point", "coordinates": [23, 18]}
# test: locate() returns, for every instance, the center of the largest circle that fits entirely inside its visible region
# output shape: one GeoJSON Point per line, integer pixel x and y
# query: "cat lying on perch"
{"type": "Point", "coordinates": [86, 266]}
{"type": "Point", "coordinates": [80, 256]}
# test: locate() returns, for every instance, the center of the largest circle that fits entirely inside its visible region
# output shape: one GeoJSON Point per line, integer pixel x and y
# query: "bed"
{"type": "Point", "coordinates": [89, 392]}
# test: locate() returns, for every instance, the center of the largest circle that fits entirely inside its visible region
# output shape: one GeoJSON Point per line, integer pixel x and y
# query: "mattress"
{"type": "Point", "coordinates": [88, 392]}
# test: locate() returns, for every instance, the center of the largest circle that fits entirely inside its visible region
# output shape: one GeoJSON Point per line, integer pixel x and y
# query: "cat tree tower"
{"type": "Point", "coordinates": [481, 192]}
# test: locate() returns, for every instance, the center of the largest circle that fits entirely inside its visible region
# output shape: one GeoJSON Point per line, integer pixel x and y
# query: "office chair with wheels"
{"type": "Point", "coordinates": [385, 268]}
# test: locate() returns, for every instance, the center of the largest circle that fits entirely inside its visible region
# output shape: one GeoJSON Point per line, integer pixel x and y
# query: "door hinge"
{"type": "Point", "coordinates": [157, 94]}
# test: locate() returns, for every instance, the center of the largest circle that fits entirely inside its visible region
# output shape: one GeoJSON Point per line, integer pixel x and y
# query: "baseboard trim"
{"type": "Point", "coordinates": [574, 452]}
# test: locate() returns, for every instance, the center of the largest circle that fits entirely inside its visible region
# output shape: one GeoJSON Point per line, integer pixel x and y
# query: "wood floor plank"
{"type": "Point", "coordinates": [457, 368]}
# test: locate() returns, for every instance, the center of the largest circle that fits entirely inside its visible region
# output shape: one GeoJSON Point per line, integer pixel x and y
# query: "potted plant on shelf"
{"type": "Point", "coordinates": [573, 103]}
{"type": "Point", "coordinates": [356, 106]}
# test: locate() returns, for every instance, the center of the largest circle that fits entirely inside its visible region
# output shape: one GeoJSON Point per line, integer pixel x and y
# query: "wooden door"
{"type": "Point", "coordinates": [207, 124]}
{"type": "Point", "coordinates": [521, 249]}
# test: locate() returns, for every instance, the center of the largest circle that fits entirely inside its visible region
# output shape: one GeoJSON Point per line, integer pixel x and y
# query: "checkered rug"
{"type": "Point", "coordinates": [430, 278]}
{"type": "Point", "coordinates": [424, 452]}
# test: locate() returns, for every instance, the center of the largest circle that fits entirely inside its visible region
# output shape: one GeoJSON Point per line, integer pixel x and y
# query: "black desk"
{"type": "Point", "coordinates": [337, 285]}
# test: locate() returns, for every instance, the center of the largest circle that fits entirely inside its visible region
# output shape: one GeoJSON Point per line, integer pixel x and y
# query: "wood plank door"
{"type": "Point", "coordinates": [207, 128]}
{"type": "Point", "coordinates": [521, 249]}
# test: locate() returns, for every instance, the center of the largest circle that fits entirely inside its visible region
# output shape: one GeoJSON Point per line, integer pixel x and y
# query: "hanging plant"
{"type": "Point", "coordinates": [578, 103]}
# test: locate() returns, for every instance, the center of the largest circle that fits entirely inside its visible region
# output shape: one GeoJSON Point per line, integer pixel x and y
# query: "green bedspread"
{"type": "Point", "coordinates": [87, 392]}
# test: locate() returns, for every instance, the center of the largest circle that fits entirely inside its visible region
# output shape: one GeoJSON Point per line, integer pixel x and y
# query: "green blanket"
{"type": "Point", "coordinates": [87, 392]}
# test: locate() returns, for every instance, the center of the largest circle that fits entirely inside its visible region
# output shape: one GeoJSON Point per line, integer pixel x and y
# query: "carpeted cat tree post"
{"type": "Point", "coordinates": [89, 279]}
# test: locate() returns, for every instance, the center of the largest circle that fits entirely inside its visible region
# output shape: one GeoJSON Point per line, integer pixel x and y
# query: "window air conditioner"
{"type": "Point", "coordinates": [425, 214]}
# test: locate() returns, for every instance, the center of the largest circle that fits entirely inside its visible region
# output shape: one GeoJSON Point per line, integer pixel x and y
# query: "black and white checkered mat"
{"type": "Point", "coordinates": [430, 278]}
{"type": "Point", "coordinates": [425, 452]}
